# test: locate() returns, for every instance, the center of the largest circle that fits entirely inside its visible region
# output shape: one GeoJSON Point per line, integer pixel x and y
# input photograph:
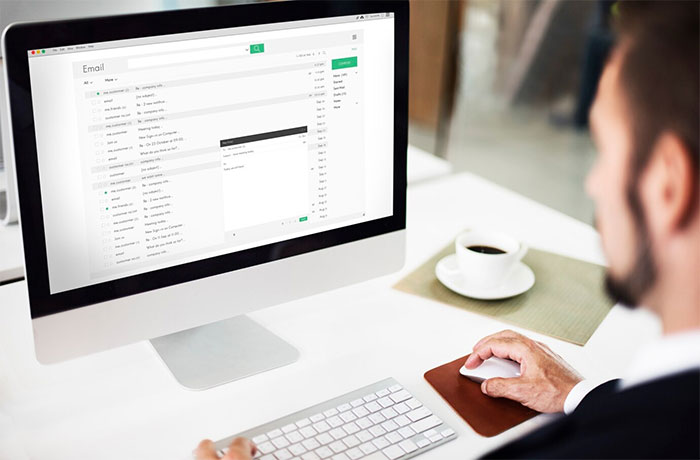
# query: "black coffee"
{"type": "Point", "coordinates": [486, 250]}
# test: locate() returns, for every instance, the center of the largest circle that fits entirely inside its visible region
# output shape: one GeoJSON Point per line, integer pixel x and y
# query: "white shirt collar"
{"type": "Point", "coordinates": [668, 355]}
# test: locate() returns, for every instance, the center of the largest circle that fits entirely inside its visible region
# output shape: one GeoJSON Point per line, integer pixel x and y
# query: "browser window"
{"type": "Point", "coordinates": [159, 151]}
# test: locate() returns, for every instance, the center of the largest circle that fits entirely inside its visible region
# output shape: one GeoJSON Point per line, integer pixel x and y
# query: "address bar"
{"type": "Point", "coordinates": [192, 56]}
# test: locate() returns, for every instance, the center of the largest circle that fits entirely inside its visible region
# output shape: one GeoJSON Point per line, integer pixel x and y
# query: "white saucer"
{"type": "Point", "coordinates": [520, 280]}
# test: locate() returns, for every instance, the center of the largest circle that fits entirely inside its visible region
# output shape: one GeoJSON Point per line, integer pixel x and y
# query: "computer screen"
{"type": "Point", "coordinates": [177, 148]}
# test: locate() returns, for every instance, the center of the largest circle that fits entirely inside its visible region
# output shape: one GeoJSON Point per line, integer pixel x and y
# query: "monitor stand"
{"type": "Point", "coordinates": [210, 355]}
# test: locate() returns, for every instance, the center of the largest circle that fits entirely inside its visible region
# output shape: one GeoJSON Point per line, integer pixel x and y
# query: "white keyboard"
{"type": "Point", "coordinates": [378, 422]}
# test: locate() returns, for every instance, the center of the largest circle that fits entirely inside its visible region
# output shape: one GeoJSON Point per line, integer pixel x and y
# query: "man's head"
{"type": "Point", "coordinates": [645, 124]}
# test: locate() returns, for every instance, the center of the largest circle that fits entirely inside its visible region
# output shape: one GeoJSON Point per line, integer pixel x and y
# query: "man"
{"type": "Point", "coordinates": [646, 189]}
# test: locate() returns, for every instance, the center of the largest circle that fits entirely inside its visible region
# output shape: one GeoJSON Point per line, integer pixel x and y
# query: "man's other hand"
{"type": "Point", "coordinates": [239, 449]}
{"type": "Point", "coordinates": [545, 378]}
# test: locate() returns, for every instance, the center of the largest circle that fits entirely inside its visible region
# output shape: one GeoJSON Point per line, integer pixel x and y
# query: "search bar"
{"type": "Point", "coordinates": [182, 58]}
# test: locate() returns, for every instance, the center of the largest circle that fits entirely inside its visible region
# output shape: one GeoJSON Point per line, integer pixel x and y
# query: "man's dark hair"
{"type": "Point", "coordinates": [658, 79]}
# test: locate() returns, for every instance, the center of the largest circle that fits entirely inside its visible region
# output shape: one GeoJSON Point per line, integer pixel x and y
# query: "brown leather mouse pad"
{"type": "Point", "coordinates": [487, 416]}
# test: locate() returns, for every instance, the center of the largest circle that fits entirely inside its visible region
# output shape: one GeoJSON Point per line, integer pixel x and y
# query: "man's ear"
{"type": "Point", "coordinates": [668, 186]}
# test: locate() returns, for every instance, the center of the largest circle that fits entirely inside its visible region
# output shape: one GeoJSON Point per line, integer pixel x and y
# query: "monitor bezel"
{"type": "Point", "coordinates": [19, 38]}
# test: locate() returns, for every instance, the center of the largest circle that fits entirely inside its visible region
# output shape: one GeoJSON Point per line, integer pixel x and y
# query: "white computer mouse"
{"type": "Point", "coordinates": [492, 367]}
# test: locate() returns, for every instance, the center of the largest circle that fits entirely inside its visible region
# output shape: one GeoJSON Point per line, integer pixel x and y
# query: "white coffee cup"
{"type": "Point", "coordinates": [484, 269]}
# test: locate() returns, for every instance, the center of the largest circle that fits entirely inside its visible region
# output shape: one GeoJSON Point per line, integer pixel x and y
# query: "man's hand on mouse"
{"type": "Point", "coordinates": [545, 378]}
{"type": "Point", "coordinates": [239, 449]}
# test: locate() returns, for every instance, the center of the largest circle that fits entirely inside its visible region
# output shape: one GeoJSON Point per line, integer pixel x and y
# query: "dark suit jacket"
{"type": "Point", "coordinates": [659, 419]}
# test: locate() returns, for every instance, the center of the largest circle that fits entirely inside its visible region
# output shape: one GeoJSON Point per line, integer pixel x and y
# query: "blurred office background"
{"type": "Point", "coordinates": [499, 88]}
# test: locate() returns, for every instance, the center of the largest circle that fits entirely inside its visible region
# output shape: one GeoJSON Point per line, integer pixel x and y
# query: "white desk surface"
{"type": "Point", "coordinates": [123, 404]}
{"type": "Point", "coordinates": [423, 166]}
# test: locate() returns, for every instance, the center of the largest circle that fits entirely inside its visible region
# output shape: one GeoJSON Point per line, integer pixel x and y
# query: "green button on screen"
{"type": "Point", "coordinates": [257, 48]}
{"type": "Point", "coordinates": [344, 63]}
{"type": "Point", "coordinates": [303, 219]}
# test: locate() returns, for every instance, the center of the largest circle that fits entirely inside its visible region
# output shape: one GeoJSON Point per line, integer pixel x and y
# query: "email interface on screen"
{"type": "Point", "coordinates": [159, 151]}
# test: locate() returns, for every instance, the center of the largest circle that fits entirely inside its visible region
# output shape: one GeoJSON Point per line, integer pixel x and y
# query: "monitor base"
{"type": "Point", "coordinates": [210, 355]}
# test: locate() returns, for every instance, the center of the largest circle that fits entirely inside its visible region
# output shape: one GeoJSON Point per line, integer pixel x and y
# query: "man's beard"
{"type": "Point", "coordinates": [629, 290]}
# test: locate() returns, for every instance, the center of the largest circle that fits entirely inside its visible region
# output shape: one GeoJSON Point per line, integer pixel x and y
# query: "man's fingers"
{"type": "Point", "coordinates": [475, 359]}
{"type": "Point", "coordinates": [206, 451]}
{"type": "Point", "coordinates": [507, 348]}
{"type": "Point", "coordinates": [498, 387]}
{"type": "Point", "coordinates": [506, 333]}
{"type": "Point", "coordinates": [240, 449]}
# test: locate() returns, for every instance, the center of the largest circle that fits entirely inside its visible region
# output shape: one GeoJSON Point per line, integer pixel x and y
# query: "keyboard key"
{"type": "Point", "coordinates": [413, 403]}
{"type": "Point", "coordinates": [447, 433]}
{"type": "Point", "coordinates": [297, 449]}
{"type": "Point", "coordinates": [395, 388]}
{"type": "Point", "coordinates": [289, 428]}
{"type": "Point", "coordinates": [354, 453]}
{"type": "Point", "coordinates": [351, 428]}
{"type": "Point", "coordinates": [294, 437]}
{"type": "Point", "coordinates": [280, 442]}
{"type": "Point", "coordinates": [266, 447]}
{"type": "Point", "coordinates": [389, 413]}
{"type": "Point", "coordinates": [380, 443]}
{"type": "Point", "coordinates": [364, 422]}
{"type": "Point", "coordinates": [400, 396]}
{"type": "Point", "coordinates": [337, 446]}
{"type": "Point", "coordinates": [393, 452]}
{"type": "Point", "coordinates": [370, 397]}
{"type": "Point", "coordinates": [382, 393]}
{"type": "Point", "coordinates": [331, 412]}
{"type": "Point", "coordinates": [316, 418]}
{"type": "Point", "coordinates": [268, 457]}
{"type": "Point", "coordinates": [360, 411]}
{"type": "Point", "coordinates": [435, 438]}
{"type": "Point", "coordinates": [334, 421]}
{"type": "Point", "coordinates": [337, 433]}
{"type": "Point", "coordinates": [402, 420]}
{"type": "Point", "coordinates": [364, 436]}
{"type": "Point", "coordinates": [419, 413]}
{"type": "Point", "coordinates": [357, 403]}
{"type": "Point", "coordinates": [390, 425]}
{"type": "Point", "coordinates": [368, 448]}
{"type": "Point", "coordinates": [303, 422]}
{"type": "Point", "coordinates": [402, 408]}
{"type": "Point", "coordinates": [385, 401]}
{"type": "Point", "coordinates": [310, 456]}
{"type": "Point", "coordinates": [321, 426]}
{"type": "Point", "coordinates": [422, 442]}
{"type": "Point", "coordinates": [406, 432]}
{"type": "Point", "coordinates": [324, 452]}
{"type": "Point", "coordinates": [274, 434]}
{"type": "Point", "coordinates": [351, 441]}
{"type": "Point", "coordinates": [377, 418]}
{"type": "Point", "coordinates": [311, 444]}
{"type": "Point", "coordinates": [283, 454]}
{"type": "Point", "coordinates": [344, 407]}
{"type": "Point", "coordinates": [393, 437]}
{"type": "Point", "coordinates": [425, 424]}
{"type": "Point", "coordinates": [340, 457]}
{"type": "Point", "coordinates": [430, 432]}
{"type": "Point", "coordinates": [308, 432]}
{"type": "Point", "coordinates": [377, 431]}
{"type": "Point", "coordinates": [408, 446]}
{"type": "Point", "coordinates": [260, 439]}
{"type": "Point", "coordinates": [373, 407]}
{"type": "Point", "coordinates": [324, 438]}
{"type": "Point", "coordinates": [348, 416]}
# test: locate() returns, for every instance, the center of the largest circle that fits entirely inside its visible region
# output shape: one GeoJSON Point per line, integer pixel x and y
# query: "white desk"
{"type": "Point", "coordinates": [123, 404]}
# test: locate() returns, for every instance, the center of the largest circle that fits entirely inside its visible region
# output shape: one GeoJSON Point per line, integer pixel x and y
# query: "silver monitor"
{"type": "Point", "coordinates": [177, 170]}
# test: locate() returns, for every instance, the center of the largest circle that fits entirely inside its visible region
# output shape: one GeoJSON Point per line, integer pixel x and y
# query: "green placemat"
{"type": "Point", "coordinates": [567, 301]}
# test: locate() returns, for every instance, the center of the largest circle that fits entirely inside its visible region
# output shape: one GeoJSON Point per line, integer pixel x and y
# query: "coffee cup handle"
{"type": "Point", "coordinates": [522, 251]}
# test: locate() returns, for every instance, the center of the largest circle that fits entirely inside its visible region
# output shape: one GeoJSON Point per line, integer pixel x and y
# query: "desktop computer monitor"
{"type": "Point", "coordinates": [177, 170]}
